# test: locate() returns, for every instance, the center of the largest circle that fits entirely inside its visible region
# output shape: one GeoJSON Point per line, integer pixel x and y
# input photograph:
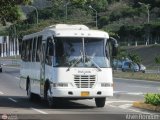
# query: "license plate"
{"type": "Point", "coordinates": [85, 94]}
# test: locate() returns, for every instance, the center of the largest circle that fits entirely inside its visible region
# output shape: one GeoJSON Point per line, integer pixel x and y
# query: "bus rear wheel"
{"type": "Point", "coordinates": [100, 102]}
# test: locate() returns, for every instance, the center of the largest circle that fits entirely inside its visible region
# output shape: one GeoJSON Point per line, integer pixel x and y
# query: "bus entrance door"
{"type": "Point", "coordinates": [42, 69]}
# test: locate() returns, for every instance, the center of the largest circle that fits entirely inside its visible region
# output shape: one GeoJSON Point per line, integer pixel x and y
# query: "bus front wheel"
{"type": "Point", "coordinates": [100, 102]}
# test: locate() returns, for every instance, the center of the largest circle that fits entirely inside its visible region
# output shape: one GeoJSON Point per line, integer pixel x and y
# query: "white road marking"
{"type": "Point", "coordinates": [120, 92]}
{"type": "Point", "coordinates": [141, 86]}
{"type": "Point", "coordinates": [129, 93]}
{"type": "Point", "coordinates": [1, 93]}
{"type": "Point", "coordinates": [17, 78]}
{"type": "Point", "coordinates": [132, 93]}
{"type": "Point", "coordinates": [138, 86]}
{"type": "Point", "coordinates": [40, 111]}
{"type": "Point", "coordinates": [119, 101]}
{"type": "Point", "coordinates": [12, 100]}
{"type": "Point", "coordinates": [112, 106]}
{"type": "Point", "coordinates": [125, 106]}
{"type": "Point", "coordinates": [115, 100]}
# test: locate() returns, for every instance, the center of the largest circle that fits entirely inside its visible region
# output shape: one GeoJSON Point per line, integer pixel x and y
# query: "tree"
{"type": "Point", "coordinates": [157, 60]}
{"type": "Point", "coordinates": [10, 11]}
{"type": "Point", "coordinates": [135, 57]}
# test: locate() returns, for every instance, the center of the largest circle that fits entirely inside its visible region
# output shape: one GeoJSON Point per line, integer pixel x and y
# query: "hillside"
{"type": "Point", "coordinates": [123, 19]}
{"type": "Point", "coordinates": [147, 53]}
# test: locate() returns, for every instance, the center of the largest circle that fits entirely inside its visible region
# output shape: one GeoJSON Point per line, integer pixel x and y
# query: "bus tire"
{"type": "Point", "coordinates": [100, 102]}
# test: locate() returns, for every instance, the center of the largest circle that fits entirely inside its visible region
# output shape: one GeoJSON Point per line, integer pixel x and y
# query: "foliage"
{"type": "Point", "coordinates": [125, 18]}
{"type": "Point", "coordinates": [103, 21]}
{"type": "Point", "coordinates": [122, 54]}
{"type": "Point", "coordinates": [157, 59]}
{"type": "Point", "coordinates": [132, 56]}
{"type": "Point", "coordinates": [135, 57]}
{"type": "Point", "coordinates": [99, 5]}
{"type": "Point", "coordinates": [9, 11]}
{"type": "Point", "coordinates": [153, 99]}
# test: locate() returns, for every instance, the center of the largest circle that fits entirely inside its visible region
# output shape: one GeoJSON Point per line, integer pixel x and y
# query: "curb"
{"type": "Point", "coordinates": [146, 106]}
{"type": "Point", "coordinates": [8, 66]}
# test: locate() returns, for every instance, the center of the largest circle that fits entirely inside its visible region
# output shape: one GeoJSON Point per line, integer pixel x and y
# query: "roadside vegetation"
{"type": "Point", "coordinates": [126, 20]}
{"type": "Point", "coordinates": [153, 99]}
{"type": "Point", "coordinates": [151, 102]}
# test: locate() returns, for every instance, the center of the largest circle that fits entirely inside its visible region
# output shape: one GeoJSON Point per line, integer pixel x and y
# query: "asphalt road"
{"type": "Point", "coordinates": [14, 102]}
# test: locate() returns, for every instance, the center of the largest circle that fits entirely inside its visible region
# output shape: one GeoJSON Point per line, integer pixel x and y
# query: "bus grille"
{"type": "Point", "coordinates": [84, 81]}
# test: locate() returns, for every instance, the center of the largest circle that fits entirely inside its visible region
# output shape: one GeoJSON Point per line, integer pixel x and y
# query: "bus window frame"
{"type": "Point", "coordinates": [34, 47]}
{"type": "Point", "coordinates": [47, 52]}
{"type": "Point", "coordinates": [38, 48]}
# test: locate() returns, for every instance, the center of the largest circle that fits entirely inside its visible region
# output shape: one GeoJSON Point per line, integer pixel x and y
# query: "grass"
{"type": "Point", "coordinates": [137, 75]}
{"type": "Point", "coordinates": [143, 105]}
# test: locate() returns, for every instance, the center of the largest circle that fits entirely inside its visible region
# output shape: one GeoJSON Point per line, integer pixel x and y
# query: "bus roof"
{"type": "Point", "coordinates": [66, 30]}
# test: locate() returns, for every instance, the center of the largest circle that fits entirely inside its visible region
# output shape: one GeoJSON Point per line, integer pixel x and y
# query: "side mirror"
{"type": "Point", "coordinates": [114, 46]}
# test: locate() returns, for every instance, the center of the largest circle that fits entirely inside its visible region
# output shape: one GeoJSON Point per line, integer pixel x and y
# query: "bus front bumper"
{"type": "Point", "coordinates": [82, 93]}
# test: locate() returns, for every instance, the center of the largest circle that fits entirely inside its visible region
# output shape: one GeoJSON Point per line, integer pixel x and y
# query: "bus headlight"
{"type": "Point", "coordinates": [59, 84]}
{"type": "Point", "coordinates": [106, 84]}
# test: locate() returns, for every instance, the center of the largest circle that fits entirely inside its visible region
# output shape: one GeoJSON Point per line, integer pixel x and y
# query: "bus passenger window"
{"type": "Point", "coordinates": [59, 52]}
{"type": "Point", "coordinates": [38, 53]}
{"type": "Point", "coordinates": [34, 50]}
{"type": "Point", "coordinates": [49, 52]}
{"type": "Point", "coordinates": [50, 47]}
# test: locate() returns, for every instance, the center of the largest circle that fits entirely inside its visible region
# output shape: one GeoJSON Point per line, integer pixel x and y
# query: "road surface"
{"type": "Point", "coordinates": [14, 102]}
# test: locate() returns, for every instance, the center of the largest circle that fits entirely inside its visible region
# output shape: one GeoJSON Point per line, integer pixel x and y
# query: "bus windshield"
{"type": "Point", "coordinates": [81, 52]}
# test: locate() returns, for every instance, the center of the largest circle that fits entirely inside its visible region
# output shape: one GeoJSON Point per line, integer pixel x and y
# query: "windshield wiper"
{"type": "Point", "coordinates": [95, 64]}
{"type": "Point", "coordinates": [77, 60]}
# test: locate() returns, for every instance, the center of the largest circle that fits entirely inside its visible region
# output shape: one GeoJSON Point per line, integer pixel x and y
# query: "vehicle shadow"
{"type": "Point", "coordinates": [24, 102]}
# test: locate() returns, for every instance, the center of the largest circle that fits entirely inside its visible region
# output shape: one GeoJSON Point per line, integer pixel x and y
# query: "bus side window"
{"type": "Point", "coordinates": [50, 51]}
{"type": "Point", "coordinates": [34, 49]}
{"type": "Point", "coordinates": [59, 51]}
{"type": "Point", "coordinates": [27, 50]}
{"type": "Point", "coordinates": [38, 50]}
{"type": "Point", "coordinates": [30, 49]}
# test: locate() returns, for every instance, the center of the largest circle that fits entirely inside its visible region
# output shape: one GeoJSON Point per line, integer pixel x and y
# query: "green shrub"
{"type": "Point", "coordinates": [153, 99]}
